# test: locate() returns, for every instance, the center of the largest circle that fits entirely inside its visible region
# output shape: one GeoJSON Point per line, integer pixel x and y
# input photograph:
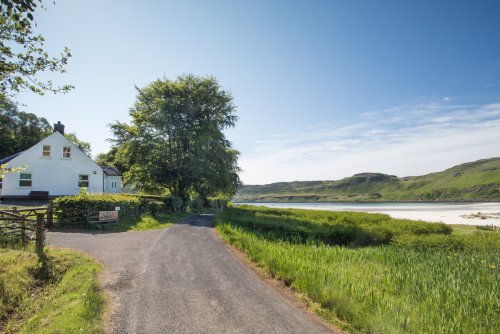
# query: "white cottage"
{"type": "Point", "coordinates": [56, 167]}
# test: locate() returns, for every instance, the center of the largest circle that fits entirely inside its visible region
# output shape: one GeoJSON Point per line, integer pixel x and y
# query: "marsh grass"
{"type": "Point", "coordinates": [68, 301]}
{"type": "Point", "coordinates": [411, 284]}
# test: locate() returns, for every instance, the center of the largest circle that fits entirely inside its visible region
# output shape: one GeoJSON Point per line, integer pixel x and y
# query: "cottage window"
{"type": "Point", "coordinates": [1, 181]}
{"type": "Point", "coordinates": [25, 180]}
{"type": "Point", "coordinates": [46, 151]}
{"type": "Point", "coordinates": [83, 181]}
{"type": "Point", "coordinates": [66, 152]}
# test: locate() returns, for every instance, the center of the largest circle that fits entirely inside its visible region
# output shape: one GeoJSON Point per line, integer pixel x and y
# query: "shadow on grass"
{"type": "Point", "coordinates": [334, 228]}
{"type": "Point", "coordinates": [141, 223]}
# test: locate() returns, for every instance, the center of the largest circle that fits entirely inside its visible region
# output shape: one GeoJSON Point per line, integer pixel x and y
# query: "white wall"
{"type": "Point", "coordinates": [55, 174]}
{"type": "Point", "coordinates": [112, 184]}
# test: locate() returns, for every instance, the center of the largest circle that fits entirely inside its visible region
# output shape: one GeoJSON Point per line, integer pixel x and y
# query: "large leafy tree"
{"type": "Point", "coordinates": [22, 54]}
{"type": "Point", "coordinates": [176, 141]}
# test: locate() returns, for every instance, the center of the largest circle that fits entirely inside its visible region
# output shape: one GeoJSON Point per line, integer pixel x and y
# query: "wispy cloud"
{"type": "Point", "coordinates": [405, 140]}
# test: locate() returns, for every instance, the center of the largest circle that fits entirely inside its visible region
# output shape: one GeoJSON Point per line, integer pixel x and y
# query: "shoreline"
{"type": "Point", "coordinates": [380, 202]}
{"type": "Point", "coordinates": [463, 213]}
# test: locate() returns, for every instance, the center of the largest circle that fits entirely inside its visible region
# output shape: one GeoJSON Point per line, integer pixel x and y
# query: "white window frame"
{"type": "Point", "coordinates": [25, 180]}
{"type": "Point", "coordinates": [67, 152]}
{"type": "Point", "coordinates": [81, 180]}
{"type": "Point", "coordinates": [45, 152]}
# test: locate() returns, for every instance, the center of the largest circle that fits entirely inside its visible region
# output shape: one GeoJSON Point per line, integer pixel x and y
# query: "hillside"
{"type": "Point", "coordinates": [472, 181]}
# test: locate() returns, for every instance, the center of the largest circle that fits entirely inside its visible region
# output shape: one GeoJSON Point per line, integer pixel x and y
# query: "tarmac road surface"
{"type": "Point", "coordinates": [184, 280]}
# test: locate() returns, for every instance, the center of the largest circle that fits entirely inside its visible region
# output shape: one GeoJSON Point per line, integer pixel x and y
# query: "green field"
{"type": "Point", "coordinates": [423, 279]}
{"type": "Point", "coordinates": [479, 180]}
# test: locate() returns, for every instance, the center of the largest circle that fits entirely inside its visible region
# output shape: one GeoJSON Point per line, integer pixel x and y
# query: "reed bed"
{"type": "Point", "coordinates": [402, 286]}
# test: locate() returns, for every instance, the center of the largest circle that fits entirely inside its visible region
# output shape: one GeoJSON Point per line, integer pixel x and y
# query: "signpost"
{"type": "Point", "coordinates": [108, 216]}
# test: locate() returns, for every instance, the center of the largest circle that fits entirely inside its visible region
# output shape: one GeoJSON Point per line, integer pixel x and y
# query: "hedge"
{"type": "Point", "coordinates": [71, 209]}
{"type": "Point", "coordinates": [174, 203]}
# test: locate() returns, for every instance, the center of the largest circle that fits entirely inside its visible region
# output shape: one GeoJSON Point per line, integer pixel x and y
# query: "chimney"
{"type": "Point", "coordinates": [59, 127]}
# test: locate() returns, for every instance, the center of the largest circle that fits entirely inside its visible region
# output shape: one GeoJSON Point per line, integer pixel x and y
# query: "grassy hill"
{"type": "Point", "coordinates": [472, 181]}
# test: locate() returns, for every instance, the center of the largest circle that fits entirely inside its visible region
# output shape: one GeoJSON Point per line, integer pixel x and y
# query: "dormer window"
{"type": "Point", "coordinates": [66, 152]}
{"type": "Point", "coordinates": [46, 151]}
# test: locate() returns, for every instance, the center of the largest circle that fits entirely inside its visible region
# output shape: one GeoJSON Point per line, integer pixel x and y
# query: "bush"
{"type": "Point", "coordinates": [73, 209]}
{"type": "Point", "coordinates": [153, 207]}
{"type": "Point", "coordinates": [196, 203]}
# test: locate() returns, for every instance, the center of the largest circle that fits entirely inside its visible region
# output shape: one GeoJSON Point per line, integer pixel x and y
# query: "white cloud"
{"type": "Point", "coordinates": [407, 140]}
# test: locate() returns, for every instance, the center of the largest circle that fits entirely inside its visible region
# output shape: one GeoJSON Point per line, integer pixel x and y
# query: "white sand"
{"type": "Point", "coordinates": [434, 212]}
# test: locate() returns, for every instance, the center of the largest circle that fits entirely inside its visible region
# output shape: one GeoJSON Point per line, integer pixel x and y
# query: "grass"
{"type": "Point", "coordinates": [344, 228]}
{"type": "Point", "coordinates": [68, 301]}
{"type": "Point", "coordinates": [142, 223]}
{"type": "Point", "coordinates": [410, 284]}
{"type": "Point", "coordinates": [147, 222]}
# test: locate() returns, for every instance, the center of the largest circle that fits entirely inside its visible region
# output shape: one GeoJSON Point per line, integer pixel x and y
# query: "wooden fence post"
{"type": "Point", "coordinates": [39, 243]}
{"type": "Point", "coordinates": [23, 230]}
{"type": "Point", "coordinates": [88, 215]}
{"type": "Point", "coordinates": [50, 214]}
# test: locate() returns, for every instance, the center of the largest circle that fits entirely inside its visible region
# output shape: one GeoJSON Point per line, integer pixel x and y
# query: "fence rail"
{"type": "Point", "coordinates": [87, 216]}
{"type": "Point", "coordinates": [31, 213]}
{"type": "Point", "coordinates": [20, 224]}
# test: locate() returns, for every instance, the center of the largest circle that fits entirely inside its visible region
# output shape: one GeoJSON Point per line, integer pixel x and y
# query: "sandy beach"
{"type": "Point", "coordinates": [448, 213]}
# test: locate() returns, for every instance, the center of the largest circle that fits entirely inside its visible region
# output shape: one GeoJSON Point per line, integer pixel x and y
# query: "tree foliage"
{"type": "Point", "coordinates": [22, 54]}
{"type": "Point", "coordinates": [83, 145]}
{"type": "Point", "coordinates": [20, 130]}
{"type": "Point", "coordinates": [175, 141]}
{"type": "Point", "coordinates": [4, 170]}
{"type": "Point", "coordinates": [115, 157]}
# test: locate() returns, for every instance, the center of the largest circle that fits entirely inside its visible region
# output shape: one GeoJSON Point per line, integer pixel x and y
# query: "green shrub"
{"type": "Point", "coordinates": [196, 203]}
{"type": "Point", "coordinates": [154, 207]}
{"type": "Point", "coordinates": [176, 203]}
{"type": "Point", "coordinates": [71, 209]}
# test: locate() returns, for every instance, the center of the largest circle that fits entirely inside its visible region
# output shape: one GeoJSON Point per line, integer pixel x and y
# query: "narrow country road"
{"type": "Point", "coordinates": [184, 280]}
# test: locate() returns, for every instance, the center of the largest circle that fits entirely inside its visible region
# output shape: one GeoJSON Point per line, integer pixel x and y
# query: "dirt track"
{"type": "Point", "coordinates": [184, 280]}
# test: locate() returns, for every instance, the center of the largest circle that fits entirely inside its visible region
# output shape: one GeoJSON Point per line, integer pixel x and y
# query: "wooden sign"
{"type": "Point", "coordinates": [108, 215]}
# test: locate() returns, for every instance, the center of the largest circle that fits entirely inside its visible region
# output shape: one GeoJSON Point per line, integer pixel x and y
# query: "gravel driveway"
{"type": "Point", "coordinates": [184, 280]}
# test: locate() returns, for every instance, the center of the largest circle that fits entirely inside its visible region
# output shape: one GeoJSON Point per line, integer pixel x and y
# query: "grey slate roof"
{"type": "Point", "coordinates": [9, 158]}
{"type": "Point", "coordinates": [111, 171]}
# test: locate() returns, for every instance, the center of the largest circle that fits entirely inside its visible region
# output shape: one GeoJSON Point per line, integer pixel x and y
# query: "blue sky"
{"type": "Point", "coordinates": [324, 89]}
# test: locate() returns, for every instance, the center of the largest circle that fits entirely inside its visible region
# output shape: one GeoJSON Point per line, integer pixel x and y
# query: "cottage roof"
{"type": "Point", "coordinates": [110, 171]}
{"type": "Point", "coordinates": [9, 158]}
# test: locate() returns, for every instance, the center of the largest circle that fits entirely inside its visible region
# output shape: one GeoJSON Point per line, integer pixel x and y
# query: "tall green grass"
{"type": "Point", "coordinates": [68, 301]}
{"type": "Point", "coordinates": [344, 228]}
{"type": "Point", "coordinates": [408, 285]}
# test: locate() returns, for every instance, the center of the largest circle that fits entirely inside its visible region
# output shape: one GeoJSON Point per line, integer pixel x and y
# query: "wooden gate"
{"type": "Point", "coordinates": [21, 223]}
